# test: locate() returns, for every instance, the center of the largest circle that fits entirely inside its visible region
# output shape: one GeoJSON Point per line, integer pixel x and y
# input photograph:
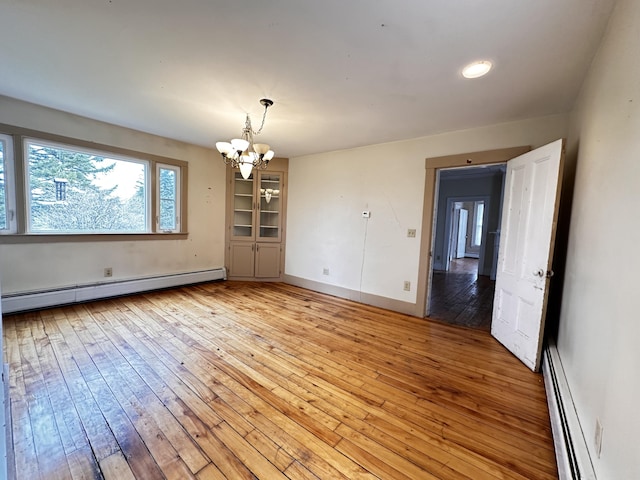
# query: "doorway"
{"type": "Point", "coordinates": [531, 196]}
{"type": "Point", "coordinates": [433, 166]}
{"type": "Point", "coordinates": [467, 217]}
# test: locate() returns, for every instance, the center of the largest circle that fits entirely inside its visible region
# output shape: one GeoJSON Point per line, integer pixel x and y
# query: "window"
{"type": "Point", "coordinates": [168, 198]}
{"type": "Point", "coordinates": [75, 187]}
{"type": "Point", "coordinates": [477, 225]}
{"type": "Point", "coordinates": [72, 190]}
{"type": "Point", "coordinates": [61, 189]}
{"type": "Point", "coordinates": [7, 192]}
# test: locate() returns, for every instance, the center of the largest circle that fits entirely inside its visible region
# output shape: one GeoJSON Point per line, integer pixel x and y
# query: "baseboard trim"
{"type": "Point", "coordinates": [572, 454]}
{"type": "Point", "coordinates": [19, 302]}
{"type": "Point", "coordinates": [355, 295]}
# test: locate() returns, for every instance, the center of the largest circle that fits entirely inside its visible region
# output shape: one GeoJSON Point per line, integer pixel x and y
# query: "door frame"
{"type": "Point", "coordinates": [449, 218]}
{"type": "Point", "coordinates": [432, 174]}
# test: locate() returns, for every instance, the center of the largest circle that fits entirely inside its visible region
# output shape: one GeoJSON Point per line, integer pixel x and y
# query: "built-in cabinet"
{"type": "Point", "coordinates": [256, 209]}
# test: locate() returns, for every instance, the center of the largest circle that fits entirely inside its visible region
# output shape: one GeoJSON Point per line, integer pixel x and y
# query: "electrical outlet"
{"type": "Point", "coordinates": [597, 440]}
{"type": "Point", "coordinates": [325, 271]}
{"type": "Point", "coordinates": [407, 285]}
{"type": "Point", "coordinates": [411, 233]}
{"type": "Point", "coordinates": [108, 272]}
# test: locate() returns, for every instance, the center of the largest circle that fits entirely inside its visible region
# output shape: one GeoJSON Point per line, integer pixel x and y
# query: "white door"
{"type": "Point", "coordinates": [529, 217]}
{"type": "Point", "coordinates": [462, 233]}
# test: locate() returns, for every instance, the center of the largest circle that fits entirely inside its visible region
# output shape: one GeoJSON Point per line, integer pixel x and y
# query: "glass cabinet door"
{"type": "Point", "coordinates": [269, 207]}
{"type": "Point", "coordinates": [243, 207]}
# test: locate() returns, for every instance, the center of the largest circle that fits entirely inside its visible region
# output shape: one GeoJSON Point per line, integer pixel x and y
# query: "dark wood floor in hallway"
{"type": "Point", "coordinates": [461, 296]}
{"type": "Point", "coordinates": [234, 380]}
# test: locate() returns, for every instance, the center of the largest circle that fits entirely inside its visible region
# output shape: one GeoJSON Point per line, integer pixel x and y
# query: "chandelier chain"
{"type": "Point", "coordinates": [264, 116]}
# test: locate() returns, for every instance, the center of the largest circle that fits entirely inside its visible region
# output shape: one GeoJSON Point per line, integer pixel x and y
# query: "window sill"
{"type": "Point", "coordinates": [87, 237]}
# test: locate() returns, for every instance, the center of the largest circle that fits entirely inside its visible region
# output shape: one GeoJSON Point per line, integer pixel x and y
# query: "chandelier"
{"type": "Point", "coordinates": [242, 152]}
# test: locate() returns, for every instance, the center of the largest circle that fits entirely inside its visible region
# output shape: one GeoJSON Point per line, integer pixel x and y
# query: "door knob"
{"type": "Point", "coordinates": [541, 273]}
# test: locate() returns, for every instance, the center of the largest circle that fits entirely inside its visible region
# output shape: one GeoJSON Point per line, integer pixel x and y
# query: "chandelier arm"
{"type": "Point", "coordinates": [230, 161]}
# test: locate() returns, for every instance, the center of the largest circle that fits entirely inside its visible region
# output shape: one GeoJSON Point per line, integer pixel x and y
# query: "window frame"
{"type": "Point", "coordinates": [178, 196]}
{"type": "Point", "coordinates": [89, 151]}
{"type": "Point", "coordinates": [20, 192]}
{"type": "Point", "coordinates": [9, 185]}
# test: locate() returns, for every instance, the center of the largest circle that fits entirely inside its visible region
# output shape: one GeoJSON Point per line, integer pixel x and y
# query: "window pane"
{"type": "Point", "coordinates": [75, 191]}
{"type": "Point", "coordinates": [3, 190]}
{"type": "Point", "coordinates": [168, 199]}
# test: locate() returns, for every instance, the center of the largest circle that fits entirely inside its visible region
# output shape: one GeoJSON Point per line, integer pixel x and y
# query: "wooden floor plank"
{"type": "Point", "coordinates": [234, 380]}
{"type": "Point", "coordinates": [462, 297]}
{"type": "Point", "coordinates": [52, 462]}
{"type": "Point", "coordinates": [127, 438]}
{"type": "Point", "coordinates": [115, 467]}
{"type": "Point", "coordinates": [391, 460]}
{"type": "Point", "coordinates": [211, 472]}
{"type": "Point", "coordinates": [143, 403]}
{"type": "Point", "coordinates": [25, 456]}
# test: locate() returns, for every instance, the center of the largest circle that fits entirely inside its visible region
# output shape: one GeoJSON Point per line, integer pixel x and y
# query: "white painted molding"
{"type": "Point", "coordinates": [18, 302]}
{"type": "Point", "coordinates": [572, 454]}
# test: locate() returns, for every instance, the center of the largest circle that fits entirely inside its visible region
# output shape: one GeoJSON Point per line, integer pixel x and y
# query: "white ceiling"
{"type": "Point", "coordinates": [342, 73]}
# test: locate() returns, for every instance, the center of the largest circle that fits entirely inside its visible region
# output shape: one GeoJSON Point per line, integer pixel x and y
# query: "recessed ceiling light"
{"type": "Point", "coordinates": [476, 69]}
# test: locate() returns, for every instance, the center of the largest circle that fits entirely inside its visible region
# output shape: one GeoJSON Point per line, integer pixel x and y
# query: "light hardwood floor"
{"type": "Point", "coordinates": [264, 380]}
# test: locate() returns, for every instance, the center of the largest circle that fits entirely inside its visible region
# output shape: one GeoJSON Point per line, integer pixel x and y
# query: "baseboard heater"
{"type": "Point", "coordinates": [19, 302]}
{"type": "Point", "coordinates": [572, 454]}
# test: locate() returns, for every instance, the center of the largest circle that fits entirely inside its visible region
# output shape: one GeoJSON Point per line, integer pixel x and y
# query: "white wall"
{"type": "Point", "coordinates": [599, 331]}
{"type": "Point", "coordinates": [25, 267]}
{"type": "Point", "coordinates": [328, 192]}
